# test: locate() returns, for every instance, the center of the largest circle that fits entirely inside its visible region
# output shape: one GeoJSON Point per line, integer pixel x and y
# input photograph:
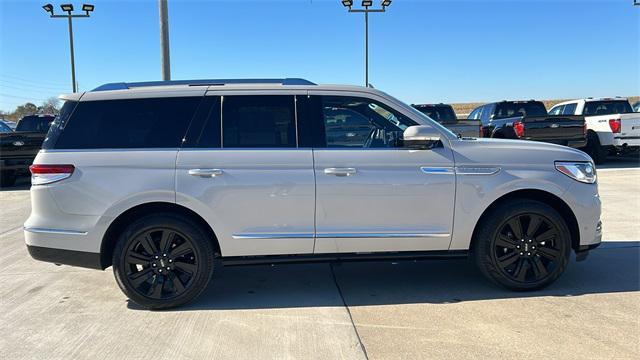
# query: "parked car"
{"type": "Point", "coordinates": [18, 148]}
{"type": "Point", "coordinates": [528, 120]}
{"type": "Point", "coordinates": [446, 116]}
{"type": "Point", "coordinates": [159, 179]}
{"type": "Point", "coordinates": [612, 126]}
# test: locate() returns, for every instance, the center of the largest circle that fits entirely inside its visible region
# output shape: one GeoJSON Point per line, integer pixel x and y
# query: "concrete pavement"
{"type": "Point", "coordinates": [430, 309]}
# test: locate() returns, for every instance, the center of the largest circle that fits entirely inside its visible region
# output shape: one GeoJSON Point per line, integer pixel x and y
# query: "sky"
{"type": "Point", "coordinates": [420, 51]}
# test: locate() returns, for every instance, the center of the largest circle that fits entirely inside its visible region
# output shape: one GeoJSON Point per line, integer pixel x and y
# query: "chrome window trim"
{"type": "Point", "coordinates": [54, 231]}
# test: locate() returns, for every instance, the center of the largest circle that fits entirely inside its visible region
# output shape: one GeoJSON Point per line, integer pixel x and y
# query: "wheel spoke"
{"type": "Point", "coordinates": [534, 225]}
{"type": "Point", "coordinates": [177, 284]}
{"type": "Point", "coordinates": [185, 267]}
{"type": "Point", "coordinates": [520, 272]}
{"type": "Point", "coordinates": [508, 259]}
{"type": "Point", "coordinates": [137, 259]}
{"type": "Point", "coordinates": [538, 268]}
{"type": "Point", "coordinates": [148, 244]}
{"type": "Point", "coordinates": [516, 227]}
{"type": "Point", "coordinates": [180, 250]}
{"type": "Point", "coordinates": [166, 240]}
{"type": "Point", "coordinates": [546, 236]}
{"type": "Point", "coordinates": [506, 242]}
{"type": "Point", "coordinates": [140, 277]}
{"type": "Point", "coordinates": [156, 288]}
{"type": "Point", "coordinates": [549, 253]}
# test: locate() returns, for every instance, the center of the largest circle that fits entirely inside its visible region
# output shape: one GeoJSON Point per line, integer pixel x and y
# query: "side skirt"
{"type": "Point", "coordinates": [339, 257]}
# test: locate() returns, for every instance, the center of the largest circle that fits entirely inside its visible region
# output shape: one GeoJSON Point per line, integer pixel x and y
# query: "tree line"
{"type": "Point", "coordinates": [49, 106]}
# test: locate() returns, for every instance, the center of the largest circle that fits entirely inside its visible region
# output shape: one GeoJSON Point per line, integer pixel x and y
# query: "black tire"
{"type": "Point", "coordinates": [597, 152]}
{"type": "Point", "coordinates": [157, 278]}
{"type": "Point", "coordinates": [528, 258]}
{"type": "Point", "coordinates": [7, 178]}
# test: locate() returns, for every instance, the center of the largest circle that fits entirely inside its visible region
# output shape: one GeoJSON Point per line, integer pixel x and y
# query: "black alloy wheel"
{"type": "Point", "coordinates": [163, 261]}
{"type": "Point", "coordinates": [522, 245]}
{"type": "Point", "coordinates": [527, 249]}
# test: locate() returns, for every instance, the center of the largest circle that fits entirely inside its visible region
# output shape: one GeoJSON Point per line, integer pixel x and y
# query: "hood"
{"type": "Point", "coordinates": [519, 153]}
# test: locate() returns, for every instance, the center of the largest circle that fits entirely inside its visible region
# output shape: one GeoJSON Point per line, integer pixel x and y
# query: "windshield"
{"type": "Point", "coordinates": [607, 107]}
{"type": "Point", "coordinates": [4, 128]}
{"type": "Point", "coordinates": [513, 109]}
{"type": "Point", "coordinates": [438, 113]}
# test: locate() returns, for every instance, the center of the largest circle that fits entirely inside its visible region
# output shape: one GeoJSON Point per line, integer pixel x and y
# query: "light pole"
{"type": "Point", "coordinates": [366, 4]}
{"type": "Point", "coordinates": [68, 8]}
{"type": "Point", "coordinates": [164, 39]}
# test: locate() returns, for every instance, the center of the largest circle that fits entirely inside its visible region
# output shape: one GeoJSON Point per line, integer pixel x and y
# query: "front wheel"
{"type": "Point", "coordinates": [163, 261]}
{"type": "Point", "coordinates": [522, 245]}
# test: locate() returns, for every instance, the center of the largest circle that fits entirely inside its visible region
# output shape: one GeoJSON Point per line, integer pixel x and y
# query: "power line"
{"type": "Point", "coordinates": [55, 83]}
{"type": "Point", "coordinates": [48, 87]}
{"type": "Point", "coordinates": [22, 97]}
{"type": "Point", "coordinates": [43, 91]}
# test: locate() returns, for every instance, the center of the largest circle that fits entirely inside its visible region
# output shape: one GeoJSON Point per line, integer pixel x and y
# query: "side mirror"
{"type": "Point", "coordinates": [421, 137]}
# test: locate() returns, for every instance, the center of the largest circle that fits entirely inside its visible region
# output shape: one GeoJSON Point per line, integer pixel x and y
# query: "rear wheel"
{"type": "Point", "coordinates": [522, 245]}
{"type": "Point", "coordinates": [162, 261]}
{"type": "Point", "coordinates": [597, 152]}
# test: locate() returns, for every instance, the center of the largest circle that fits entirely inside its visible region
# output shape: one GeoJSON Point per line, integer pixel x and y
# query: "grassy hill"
{"type": "Point", "coordinates": [466, 108]}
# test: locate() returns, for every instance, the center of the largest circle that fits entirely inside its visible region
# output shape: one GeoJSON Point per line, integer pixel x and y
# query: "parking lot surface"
{"type": "Point", "coordinates": [379, 310]}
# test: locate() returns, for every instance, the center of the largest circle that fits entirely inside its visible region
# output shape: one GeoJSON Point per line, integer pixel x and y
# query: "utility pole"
{"type": "Point", "coordinates": [366, 4]}
{"type": "Point", "coordinates": [164, 40]}
{"type": "Point", "coordinates": [68, 8]}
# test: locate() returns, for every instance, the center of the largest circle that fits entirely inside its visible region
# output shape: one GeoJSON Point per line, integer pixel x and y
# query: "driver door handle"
{"type": "Point", "coordinates": [340, 171]}
{"type": "Point", "coordinates": [205, 173]}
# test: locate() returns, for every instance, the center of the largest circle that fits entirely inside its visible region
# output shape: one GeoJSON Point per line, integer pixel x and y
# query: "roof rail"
{"type": "Point", "coordinates": [202, 82]}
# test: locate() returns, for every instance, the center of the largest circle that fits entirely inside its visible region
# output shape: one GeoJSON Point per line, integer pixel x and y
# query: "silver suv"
{"type": "Point", "coordinates": [160, 179]}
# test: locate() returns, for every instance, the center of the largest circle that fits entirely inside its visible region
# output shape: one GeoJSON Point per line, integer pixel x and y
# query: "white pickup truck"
{"type": "Point", "coordinates": [612, 126]}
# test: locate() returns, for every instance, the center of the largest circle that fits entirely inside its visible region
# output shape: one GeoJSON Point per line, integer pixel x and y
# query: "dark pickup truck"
{"type": "Point", "coordinates": [528, 120]}
{"type": "Point", "coordinates": [18, 148]}
{"type": "Point", "coordinates": [446, 116]}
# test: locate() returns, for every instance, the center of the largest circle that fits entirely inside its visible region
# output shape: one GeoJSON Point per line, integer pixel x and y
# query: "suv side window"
{"type": "Point", "coordinates": [569, 109]}
{"type": "Point", "coordinates": [557, 110]}
{"type": "Point", "coordinates": [263, 121]}
{"type": "Point", "coordinates": [126, 124]}
{"type": "Point", "coordinates": [487, 111]}
{"type": "Point", "coordinates": [475, 114]}
{"type": "Point", "coordinates": [353, 122]}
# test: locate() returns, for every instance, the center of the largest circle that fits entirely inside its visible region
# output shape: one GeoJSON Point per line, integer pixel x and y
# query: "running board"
{"type": "Point", "coordinates": [346, 257]}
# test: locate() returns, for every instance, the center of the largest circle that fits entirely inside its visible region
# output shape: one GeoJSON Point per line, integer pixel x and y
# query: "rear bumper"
{"type": "Point", "coordinates": [67, 257]}
{"type": "Point", "coordinates": [626, 141]}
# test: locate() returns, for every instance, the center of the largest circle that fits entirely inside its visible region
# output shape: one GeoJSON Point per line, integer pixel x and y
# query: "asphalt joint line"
{"type": "Point", "coordinates": [344, 303]}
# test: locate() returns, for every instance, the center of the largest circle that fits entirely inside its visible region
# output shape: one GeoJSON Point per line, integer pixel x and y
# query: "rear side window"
{"type": "Point", "coordinates": [266, 121]}
{"type": "Point", "coordinates": [58, 124]}
{"type": "Point", "coordinates": [569, 109]}
{"type": "Point", "coordinates": [607, 107]}
{"type": "Point", "coordinates": [125, 124]}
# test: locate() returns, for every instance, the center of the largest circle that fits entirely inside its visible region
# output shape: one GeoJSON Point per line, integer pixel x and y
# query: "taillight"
{"type": "Point", "coordinates": [47, 174]}
{"type": "Point", "coordinates": [518, 127]}
{"type": "Point", "coordinates": [615, 125]}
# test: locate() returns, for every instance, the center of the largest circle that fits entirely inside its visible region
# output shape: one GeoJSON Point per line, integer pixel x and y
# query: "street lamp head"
{"type": "Point", "coordinates": [48, 8]}
{"type": "Point", "coordinates": [385, 3]}
{"type": "Point", "coordinates": [367, 3]}
{"type": "Point", "coordinates": [67, 7]}
{"type": "Point", "coordinates": [87, 7]}
{"type": "Point", "coordinates": [347, 3]}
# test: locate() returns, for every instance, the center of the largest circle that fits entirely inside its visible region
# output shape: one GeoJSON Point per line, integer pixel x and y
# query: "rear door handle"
{"type": "Point", "coordinates": [205, 173]}
{"type": "Point", "coordinates": [340, 171]}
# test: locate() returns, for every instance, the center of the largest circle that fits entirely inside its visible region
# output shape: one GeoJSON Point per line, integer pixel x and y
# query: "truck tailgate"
{"type": "Point", "coordinates": [629, 126]}
{"type": "Point", "coordinates": [464, 128]}
{"type": "Point", "coordinates": [552, 128]}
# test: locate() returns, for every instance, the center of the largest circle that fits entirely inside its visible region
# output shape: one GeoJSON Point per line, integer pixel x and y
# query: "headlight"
{"type": "Point", "coordinates": [582, 171]}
